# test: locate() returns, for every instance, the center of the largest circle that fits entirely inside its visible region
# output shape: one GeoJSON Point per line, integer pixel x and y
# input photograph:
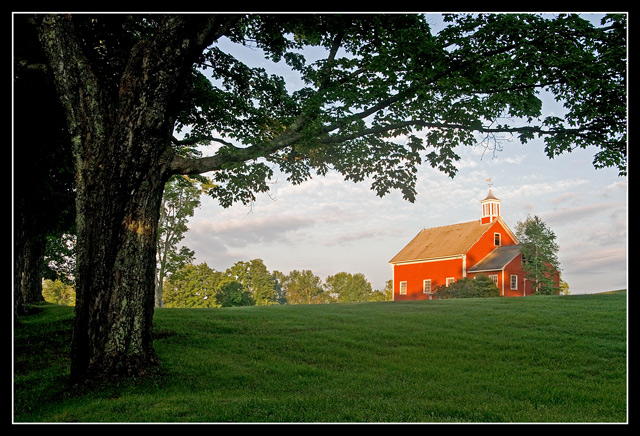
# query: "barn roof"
{"type": "Point", "coordinates": [452, 240]}
{"type": "Point", "coordinates": [497, 259]}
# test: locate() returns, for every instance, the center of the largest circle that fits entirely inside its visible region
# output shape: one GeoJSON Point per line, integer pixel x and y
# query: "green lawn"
{"type": "Point", "coordinates": [534, 359]}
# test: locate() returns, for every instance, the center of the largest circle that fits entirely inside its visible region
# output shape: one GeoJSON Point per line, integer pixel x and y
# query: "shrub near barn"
{"type": "Point", "coordinates": [479, 287]}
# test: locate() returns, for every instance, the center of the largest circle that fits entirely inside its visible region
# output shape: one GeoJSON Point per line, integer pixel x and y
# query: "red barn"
{"type": "Point", "coordinates": [441, 255]}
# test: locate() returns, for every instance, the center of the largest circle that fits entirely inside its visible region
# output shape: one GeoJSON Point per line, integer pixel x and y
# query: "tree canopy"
{"type": "Point", "coordinates": [348, 287]}
{"type": "Point", "coordinates": [388, 95]}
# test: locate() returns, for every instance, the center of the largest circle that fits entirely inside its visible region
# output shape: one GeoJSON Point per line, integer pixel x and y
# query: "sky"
{"type": "Point", "coordinates": [328, 225]}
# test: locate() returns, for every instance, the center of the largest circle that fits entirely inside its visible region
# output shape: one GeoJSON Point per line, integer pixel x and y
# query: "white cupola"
{"type": "Point", "coordinates": [490, 208]}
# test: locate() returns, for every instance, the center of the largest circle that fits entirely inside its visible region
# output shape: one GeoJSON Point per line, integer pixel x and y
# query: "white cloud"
{"type": "Point", "coordinates": [535, 190]}
{"type": "Point", "coordinates": [572, 215]}
{"type": "Point", "coordinates": [606, 267]}
{"type": "Point", "coordinates": [241, 232]}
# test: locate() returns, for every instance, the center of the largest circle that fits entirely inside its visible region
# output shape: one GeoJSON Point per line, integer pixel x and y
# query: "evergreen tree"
{"type": "Point", "coordinates": [539, 254]}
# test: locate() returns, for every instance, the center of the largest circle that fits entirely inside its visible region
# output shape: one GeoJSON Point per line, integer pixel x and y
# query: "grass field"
{"type": "Point", "coordinates": [534, 359]}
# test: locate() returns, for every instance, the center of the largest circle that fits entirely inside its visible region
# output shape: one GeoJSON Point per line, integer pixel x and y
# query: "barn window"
{"type": "Point", "coordinates": [514, 282]}
{"type": "Point", "coordinates": [403, 288]}
{"type": "Point", "coordinates": [494, 277]}
{"type": "Point", "coordinates": [496, 239]}
{"type": "Point", "coordinates": [450, 280]}
{"type": "Point", "coordinates": [426, 286]}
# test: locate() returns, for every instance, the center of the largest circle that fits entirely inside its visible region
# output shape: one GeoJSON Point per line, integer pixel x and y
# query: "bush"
{"type": "Point", "coordinates": [57, 292]}
{"type": "Point", "coordinates": [479, 287]}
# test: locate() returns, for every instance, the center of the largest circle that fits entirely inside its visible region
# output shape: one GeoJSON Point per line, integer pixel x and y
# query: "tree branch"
{"type": "Point", "coordinates": [181, 165]}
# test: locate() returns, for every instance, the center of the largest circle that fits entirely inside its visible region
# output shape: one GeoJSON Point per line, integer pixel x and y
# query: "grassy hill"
{"type": "Point", "coordinates": [534, 359]}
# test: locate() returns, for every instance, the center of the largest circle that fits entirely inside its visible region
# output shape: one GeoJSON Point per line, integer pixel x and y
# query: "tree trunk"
{"type": "Point", "coordinates": [159, 291]}
{"type": "Point", "coordinates": [122, 148]}
{"type": "Point", "coordinates": [160, 265]}
{"type": "Point", "coordinates": [18, 262]}
{"type": "Point", "coordinates": [115, 275]}
{"type": "Point", "coordinates": [33, 258]}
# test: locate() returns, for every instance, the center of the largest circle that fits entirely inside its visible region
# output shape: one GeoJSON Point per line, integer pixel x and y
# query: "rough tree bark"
{"type": "Point", "coordinates": [31, 279]}
{"type": "Point", "coordinates": [123, 156]}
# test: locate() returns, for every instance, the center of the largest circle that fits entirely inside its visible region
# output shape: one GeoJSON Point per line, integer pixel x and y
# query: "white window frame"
{"type": "Point", "coordinates": [494, 277]}
{"type": "Point", "coordinates": [426, 290]}
{"type": "Point", "coordinates": [499, 235]}
{"type": "Point", "coordinates": [450, 280]}
{"type": "Point", "coordinates": [403, 288]}
{"type": "Point", "coordinates": [514, 286]}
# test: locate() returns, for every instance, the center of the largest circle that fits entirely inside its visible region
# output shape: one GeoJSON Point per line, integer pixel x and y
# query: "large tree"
{"type": "Point", "coordinates": [256, 279]}
{"type": "Point", "coordinates": [179, 202]}
{"type": "Point", "coordinates": [539, 254]}
{"type": "Point", "coordinates": [120, 80]}
{"type": "Point", "coordinates": [386, 96]}
{"type": "Point", "coordinates": [302, 287]}
{"type": "Point", "coordinates": [349, 288]}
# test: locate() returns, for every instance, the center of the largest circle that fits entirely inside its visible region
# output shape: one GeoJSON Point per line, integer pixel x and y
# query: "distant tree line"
{"type": "Point", "coordinates": [246, 284]}
{"type": "Point", "coordinates": [181, 283]}
{"type": "Point", "coordinates": [252, 284]}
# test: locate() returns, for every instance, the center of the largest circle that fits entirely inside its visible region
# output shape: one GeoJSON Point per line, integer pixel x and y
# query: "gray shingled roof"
{"type": "Point", "coordinates": [497, 259]}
